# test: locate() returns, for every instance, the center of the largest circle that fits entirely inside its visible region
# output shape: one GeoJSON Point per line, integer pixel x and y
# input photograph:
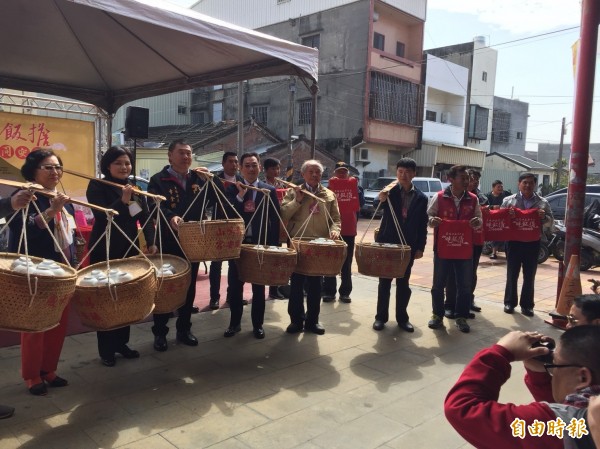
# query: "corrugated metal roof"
{"type": "Point", "coordinates": [523, 161]}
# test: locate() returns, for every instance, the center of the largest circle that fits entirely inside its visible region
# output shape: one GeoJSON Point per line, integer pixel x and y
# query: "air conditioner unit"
{"type": "Point", "coordinates": [362, 155]}
{"type": "Point", "coordinates": [445, 118]}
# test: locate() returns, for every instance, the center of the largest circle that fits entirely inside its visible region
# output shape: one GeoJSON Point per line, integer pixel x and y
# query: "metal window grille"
{"type": "Point", "coordinates": [304, 112]}
{"type": "Point", "coordinates": [260, 113]}
{"type": "Point", "coordinates": [394, 99]}
{"type": "Point", "coordinates": [430, 116]}
{"type": "Point", "coordinates": [313, 41]}
{"type": "Point", "coordinates": [501, 126]}
{"type": "Point", "coordinates": [478, 122]}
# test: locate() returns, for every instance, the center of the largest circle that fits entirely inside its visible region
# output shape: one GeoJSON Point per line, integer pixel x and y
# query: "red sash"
{"type": "Point", "coordinates": [454, 240]}
{"type": "Point", "coordinates": [526, 225]}
{"type": "Point", "coordinates": [497, 225]}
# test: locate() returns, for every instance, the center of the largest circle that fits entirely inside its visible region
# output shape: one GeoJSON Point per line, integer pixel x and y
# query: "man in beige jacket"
{"type": "Point", "coordinates": [309, 218]}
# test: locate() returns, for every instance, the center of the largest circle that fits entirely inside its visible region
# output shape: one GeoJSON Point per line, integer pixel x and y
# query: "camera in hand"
{"type": "Point", "coordinates": [545, 358]}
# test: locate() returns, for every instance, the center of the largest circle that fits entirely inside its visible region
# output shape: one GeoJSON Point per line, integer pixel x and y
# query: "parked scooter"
{"type": "Point", "coordinates": [590, 238]}
{"type": "Point", "coordinates": [542, 255]}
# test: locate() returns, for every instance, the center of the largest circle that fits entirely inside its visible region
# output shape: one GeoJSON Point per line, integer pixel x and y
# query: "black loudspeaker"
{"type": "Point", "coordinates": [136, 123]}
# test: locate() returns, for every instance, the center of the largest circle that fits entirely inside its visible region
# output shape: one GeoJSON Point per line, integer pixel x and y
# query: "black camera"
{"type": "Point", "coordinates": [548, 357]}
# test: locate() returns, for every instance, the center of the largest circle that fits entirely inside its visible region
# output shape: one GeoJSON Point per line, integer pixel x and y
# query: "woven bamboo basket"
{"type": "Point", "coordinates": [315, 259]}
{"type": "Point", "coordinates": [380, 261]}
{"type": "Point", "coordinates": [129, 303]}
{"type": "Point", "coordinates": [171, 290]}
{"type": "Point", "coordinates": [264, 267]}
{"type": "Point", "coordinates": [211, 240]}
{"type": "Point", "coordinates": [21, 311]}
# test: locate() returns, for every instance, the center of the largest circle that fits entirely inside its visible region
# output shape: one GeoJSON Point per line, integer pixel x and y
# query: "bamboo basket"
{"type": "Point", "coordinates": [380, 261]}
{"type": "Point", "coordinates": [21, 312]}
{"type": "Point", "coordinates": [129, 303]}
{"type": "Point", "coordinates": [171, 290]}
{"type": "Point", "coordinates": [262, 267]}
{"type": "Point", "coordinates": [212, 240]}
{"type": "Point", "coordinates": [316, 259]}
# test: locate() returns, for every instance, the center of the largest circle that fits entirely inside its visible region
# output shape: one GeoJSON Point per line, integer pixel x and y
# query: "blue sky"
{"type": "Point", "coordinates": [537, 69]}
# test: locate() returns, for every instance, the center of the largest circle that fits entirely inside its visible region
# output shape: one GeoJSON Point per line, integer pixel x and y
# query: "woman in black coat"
{"type": "Point", "coordinates": [115, 165]}
{"type": "Point", "coordinates": [40, 351]}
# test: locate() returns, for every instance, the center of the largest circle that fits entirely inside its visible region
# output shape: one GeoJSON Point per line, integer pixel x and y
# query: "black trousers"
{"type": "Point", "coordinates": [184, 313]}
{"type": "Point", "coordinates": [109, 342]}
{"type": "Point", "coordinates": [403, 293]}
{"type": "Point", "coordinates": [330, 284]}
{"type": "Point", "coordinates": [214, 277]}
{"type": "Point", "coordinates": [521, 255]}
{"type": "Point", "coordinates": [450, 301]}
{"type": "Point", "coordinates": [313, 299]}
{"type": "Point", "coordinates": [236, 296]}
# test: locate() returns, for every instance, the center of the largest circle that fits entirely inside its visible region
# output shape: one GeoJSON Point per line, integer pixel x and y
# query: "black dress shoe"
{"type": "Point", "coordinates": [245, 302]}
{"type": "Point", "coordinates": [471, 315]}
{"type": "Point", "coordinates": [160, 343]}
{"type": "Point", "coordinates": [259, 333]}
{"type": "Point", "coordinates": [195, 309]}
{"type": "Point", "coordinates": [475, 308]}
{"type": "Point", "coordinates": [294, 328]}
{"type": "Point", "coordinates": [110, 362]}
{"type": "Point", "coordinates": [315, 328]}
{"type": "Point", "coordinates": [508, 308]}
{"type": "Point", "coordinates": [214, 304]}
{"type": "Point", "coordinates": [231, 331]}
{"type": "Point", "coordinates": [328, 298]}
{"type": "Point", "coordinates": [527, 311]}
{"type": "Point", "coordinates": [39, 389]}
{"type": "Point", "coordinates": [346, 299]}
{"type": "Point", "coordinates": [187, 338]}
{"type": "Point", "coordinates": [128, 353]}
{"type": "Point", "coordinates": [406, 326]}
{"type": "Point", "coordinates": [6, 411]}
{"type": "Point", "coordinates": [55, 382]}
{"type": "Point", "coordinates": [449, 314]}
{"type": "Point", "coordinates": [378, 325]}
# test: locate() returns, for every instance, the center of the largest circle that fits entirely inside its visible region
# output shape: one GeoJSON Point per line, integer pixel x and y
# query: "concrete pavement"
{"type": "Point", "coordinates": [350, 388]}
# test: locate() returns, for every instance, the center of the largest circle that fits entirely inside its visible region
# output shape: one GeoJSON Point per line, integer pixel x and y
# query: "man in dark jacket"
{"type": "Point", "coordinates": [179, 185]}
{"type": "Point", "coordinates": [250, 205]}
{"type": "Point", "coordinates": [410, 207]}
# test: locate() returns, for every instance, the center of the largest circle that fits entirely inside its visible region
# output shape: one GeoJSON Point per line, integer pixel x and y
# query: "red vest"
{"type": "Point", "coordinates": [447, 209]}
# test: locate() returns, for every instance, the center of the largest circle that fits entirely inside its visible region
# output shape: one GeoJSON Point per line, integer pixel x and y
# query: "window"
{"type": "Point", "coordinates": [501, 126]}
{"type": "Point", "coordinates": [400, 47]}
{"type": "Point", "coordinates": [313, 41]}
{"type": "Point", "coordinates": [199, 118]}
{"type": "Point", "coordinates": [379, 41]}
{"type": "Point", "coordinates": [217, 112]}
{"type": "Point", "coordinates": [478, 122]}
{"type": "Point", "coordinates": [182, 110]}
{"type": "Point", "coordinates": [218, 87]}
{"type": "Point", "coordinates": [519, 135]}
{"type": "Point", "coordinates": [304, 112]}
{"type": "Point", "coordinates": [260, 113]}
{"type": "Point", "coordinates": [395, 100]}
{"type": "Point", "coordinates": [431, 116]}
{"type": "Point", "coordinates": [484, 77]}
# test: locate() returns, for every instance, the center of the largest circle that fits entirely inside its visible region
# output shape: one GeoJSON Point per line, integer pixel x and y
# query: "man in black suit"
{"type": "Point", "coordinates": [410, 207]}
{"type": "Point", "coordinates": [228, 176]}
{"type": "Point", "coordinates": [253, 210]}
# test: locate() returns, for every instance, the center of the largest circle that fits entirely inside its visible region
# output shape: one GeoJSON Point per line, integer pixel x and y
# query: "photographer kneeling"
{"type": "Point", "coordinates": [573, 376]}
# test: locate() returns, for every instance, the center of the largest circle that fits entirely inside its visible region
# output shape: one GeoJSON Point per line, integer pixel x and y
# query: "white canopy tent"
{"type": "Point", "coordinates": [110, 52]}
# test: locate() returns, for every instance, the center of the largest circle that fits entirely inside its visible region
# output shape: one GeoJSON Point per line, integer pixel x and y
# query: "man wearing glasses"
{"type": "Point", "coordinates": [585, 310]}
{"type": "Point", "coordinates": [572, 372]}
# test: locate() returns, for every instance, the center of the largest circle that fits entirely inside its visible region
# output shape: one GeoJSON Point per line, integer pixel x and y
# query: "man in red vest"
{"type": "Point", "coordinates": [453, 203]}
{"type": "Point", "coordinates": [524, 254]}
{"type": "Point", "coordinates": [345, 188]}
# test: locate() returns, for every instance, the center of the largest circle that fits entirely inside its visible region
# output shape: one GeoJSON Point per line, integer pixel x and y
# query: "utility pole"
{"type": "Point", "coordinates": [240, 135]}
{"type": "Point", "coordinates": [292, 88]}
{"type": "Point", "coordinates": [559, 163]}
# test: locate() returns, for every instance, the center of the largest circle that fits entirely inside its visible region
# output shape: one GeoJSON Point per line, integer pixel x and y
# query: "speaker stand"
{"type": "Point", "coordinates": [133, 156]}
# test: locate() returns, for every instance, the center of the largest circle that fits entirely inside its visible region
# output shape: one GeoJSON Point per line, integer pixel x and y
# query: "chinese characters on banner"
{"type": "Point", "coordinates": [72, 140]}
{"type": "Point", "coordinates": [499, 226]}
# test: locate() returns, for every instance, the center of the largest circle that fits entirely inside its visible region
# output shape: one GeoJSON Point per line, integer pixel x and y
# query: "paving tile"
{"type": "Point", "coordinates": [152, 442]}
